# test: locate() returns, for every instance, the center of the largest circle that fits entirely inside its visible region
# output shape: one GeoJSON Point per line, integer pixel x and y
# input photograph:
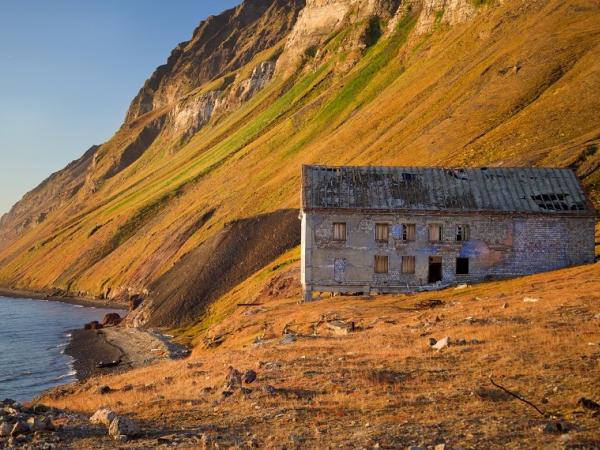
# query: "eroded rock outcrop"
{"type": "Point", "coordinates": [220, 44]}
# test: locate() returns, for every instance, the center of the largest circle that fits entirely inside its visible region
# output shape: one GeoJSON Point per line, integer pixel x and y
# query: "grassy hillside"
{"type": "Point", "coordinates": [518, 84]}
{"type": "Point", "coordinates": [381, 386]}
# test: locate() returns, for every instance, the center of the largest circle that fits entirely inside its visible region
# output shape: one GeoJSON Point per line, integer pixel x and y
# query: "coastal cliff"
{"type": "Point", "coordinates": [218, 134]}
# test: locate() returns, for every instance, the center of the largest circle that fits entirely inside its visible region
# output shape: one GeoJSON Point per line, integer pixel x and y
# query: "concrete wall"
{"type": "Point", "coordinates": [500, 246]}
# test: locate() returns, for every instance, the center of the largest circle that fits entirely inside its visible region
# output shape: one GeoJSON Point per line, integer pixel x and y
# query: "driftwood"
{"type": "Point", "coordinates": [249, 304]}
{"type": "Point", "coordinates": [518, 397]}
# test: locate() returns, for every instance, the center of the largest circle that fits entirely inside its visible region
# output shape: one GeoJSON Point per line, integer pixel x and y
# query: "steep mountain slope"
{"type": "Point", "coordinates": [413, 82]}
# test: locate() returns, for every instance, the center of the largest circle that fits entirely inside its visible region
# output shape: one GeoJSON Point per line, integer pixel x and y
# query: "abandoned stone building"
{"type": "Point", "coordinates": [393, 229]}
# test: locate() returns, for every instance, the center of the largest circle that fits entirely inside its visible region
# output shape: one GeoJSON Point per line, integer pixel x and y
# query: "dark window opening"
{"type": "Point", "coordinates": [435, 269]}
{"type": "Point", "coordinates": [462, 266]}
{"type": "Point", "coordinates": [462, 232]}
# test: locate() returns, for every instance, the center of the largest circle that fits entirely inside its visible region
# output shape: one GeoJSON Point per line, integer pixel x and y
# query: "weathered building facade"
{"type": "Point", "coordinates": [395, 229]}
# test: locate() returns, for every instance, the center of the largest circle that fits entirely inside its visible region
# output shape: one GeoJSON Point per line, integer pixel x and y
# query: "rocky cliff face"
{"type": "Point", "coordinates": [219, 133]}
{"type": "Point", "coordinates": [221, 44]}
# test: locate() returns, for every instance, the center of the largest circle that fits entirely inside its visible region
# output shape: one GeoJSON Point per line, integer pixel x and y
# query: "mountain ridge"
{"type": "Point", "coordinates": [419, 82]}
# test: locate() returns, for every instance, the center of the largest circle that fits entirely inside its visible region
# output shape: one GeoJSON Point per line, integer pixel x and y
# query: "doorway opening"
{"type": "Point", "coordinates": [435, 269]}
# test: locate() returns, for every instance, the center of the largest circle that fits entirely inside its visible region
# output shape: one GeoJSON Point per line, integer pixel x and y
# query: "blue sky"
{"type": "Point", "coordinates": [69, 69]}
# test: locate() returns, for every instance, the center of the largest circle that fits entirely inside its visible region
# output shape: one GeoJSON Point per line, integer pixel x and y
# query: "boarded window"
{"type": "Point", "coordinates": [435, 232]}
{"type": "Point", "coordinates": [462, 266]}
{"type": "Point", "coordinates": [463, 233]}
{"type": "Point", "coordinates": [381, 264]}
{"type": "Point", "coordinates": [339, 231]}
{"type": "Point", "coordinates": [408, 264]}
{"type": "Point", "coordinates": [409, 232]}
{"type": "Point", "coordinates": [382, 232]}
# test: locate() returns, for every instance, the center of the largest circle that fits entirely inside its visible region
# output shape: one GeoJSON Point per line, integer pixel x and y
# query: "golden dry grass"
{"type": "Point", "coordinates": [452, 98]}
{"type": "Point", "coordinates": [383, 385]}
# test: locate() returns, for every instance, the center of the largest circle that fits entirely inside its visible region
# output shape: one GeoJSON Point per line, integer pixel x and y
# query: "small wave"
{"type": "Point", "coordinates": [79, 306]}
{"type": "Point", "coordinates": [71, 373]}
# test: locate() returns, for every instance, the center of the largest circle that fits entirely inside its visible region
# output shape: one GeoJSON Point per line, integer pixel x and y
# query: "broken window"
{"type": "Point", "coordinates": [463, 233]}
{"type": "Point", "coordinates": [435, 232]}
{"type": "Point", "coordinates": [408, 264]}
{"type": "Point", "coordinates": [409, 232]}
{"type": "Point", "coordinates": [553, 202]}
{"type": "Point", "coordinates": [462, 266]}
{"type": "Point", "coordinates": [339, 231]}
{"type": "Point", "coordinates": [382, 232]}
{"type": "Point", "coordinates": [381, 264]}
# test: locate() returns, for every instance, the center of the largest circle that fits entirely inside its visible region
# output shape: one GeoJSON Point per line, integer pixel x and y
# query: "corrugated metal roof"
{"type": "Point", "coordinates": [493, 189]}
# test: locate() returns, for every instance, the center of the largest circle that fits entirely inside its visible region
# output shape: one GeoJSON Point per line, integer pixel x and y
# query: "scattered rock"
{"type": "Point", "coordinates": [104, 389]}
{"type": "Point", "coordinates": [95, 325]}
{"type": "Point", "coordinates": [556, 427]}
{"type": "Point", "coordinates": [340, 327]}
{"type": "Point", "coordinates": [505, 305]}
{"type": "Point", "coordinates": [461, 286]}
{"type": "Point", "coordinates": [233, 379]}
{"type": "Point", "coordinates": [39, 424]}
{"type": "Point", "coordinates": [442, 343]}
{"type": "Point", "coordinates": [288, 338]}
{"type": "Point", "coordinates": [103, 416]}
{"type": "Point", "coordinates": [588, 404]}
{"type": "Point", "coordinates": [270, 390]}
{"type": "Point", "coordinates": [135, 301]}
{"type": "Point", "coordinates": [168, 380]}
{"type": "Point", "coordinates": [19, 428]}
{"type": "Point", "coordinates": [122, 426]}
{"type": "Point", "coordinates": [246, 391]}
{"type": "Point", "coordinates": [249, 376]}
{"type": "Point", "coordinates": [127, 387]}
{"type": "Point", "coordinates": [5, 429]}
{"type": "Point", "coordinates": [440, 447]}
{"type": "Point", "coordinates": [111, 320]}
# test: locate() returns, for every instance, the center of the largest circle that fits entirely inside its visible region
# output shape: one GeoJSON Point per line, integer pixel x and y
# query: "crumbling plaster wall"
{"type": "Point", "coordinates": [500, 246]}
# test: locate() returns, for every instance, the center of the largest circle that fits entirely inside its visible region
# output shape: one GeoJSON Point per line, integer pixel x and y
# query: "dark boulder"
{"type": "Point", "coordinates": [111, 320]}
{"type": "Point", "coordinates": [249, 376]}
{"type": "Point", "coordinates": [95, 325]}
{"type": "Point", "coordinates": [135, 301]}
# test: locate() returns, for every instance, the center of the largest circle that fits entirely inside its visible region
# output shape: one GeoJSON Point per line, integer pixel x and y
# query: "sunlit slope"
{"type": "Point", "coordinates": [517, 85]}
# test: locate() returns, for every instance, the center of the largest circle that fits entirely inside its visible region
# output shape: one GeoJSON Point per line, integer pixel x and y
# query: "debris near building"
{"type": "Point", "coordinates": [397, 229]}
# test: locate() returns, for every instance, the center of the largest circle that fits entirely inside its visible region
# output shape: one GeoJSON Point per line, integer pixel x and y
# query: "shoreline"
{"type": "Point", "coordinates": [80, 301]}
{"type": "Point", "coordinates": [134, 347]}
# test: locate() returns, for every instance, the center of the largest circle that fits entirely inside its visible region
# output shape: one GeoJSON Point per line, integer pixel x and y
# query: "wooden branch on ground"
{"type": "Point", "coordinates": [518, 397]}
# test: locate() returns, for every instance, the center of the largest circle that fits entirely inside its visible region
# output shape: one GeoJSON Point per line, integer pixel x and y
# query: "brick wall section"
{"type": "Point", "coordinates": [500, 246]}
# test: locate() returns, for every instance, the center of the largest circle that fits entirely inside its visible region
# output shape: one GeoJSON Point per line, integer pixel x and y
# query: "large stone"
{"type": "Point", "coordinates": [103, 416]}
{"type": "Point", "coordinates": [95, 325]}
{"type": "Point", "coordinates": [111, 320]}
{"type": "Point", "coordinates": [122, 426]}
{"type": "Point", "coordinates": [39, 424]}
{"type": "Point", "coordinates": [249, 376]}
{"type": "Point", "coordinates": [442, 343]}
{"type": "Point", "coordinates": [5, 429]}
{"type": "Point", "coordinates": [233, 379]}
{"type": "Point", "coordinates": [19, 428]}
{"type": "Point", "coordinates": [104, 389]}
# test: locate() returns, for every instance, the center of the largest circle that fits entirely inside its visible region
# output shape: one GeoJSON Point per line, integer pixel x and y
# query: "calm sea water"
{"type": "Point", "coordinates": [33, 335]}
